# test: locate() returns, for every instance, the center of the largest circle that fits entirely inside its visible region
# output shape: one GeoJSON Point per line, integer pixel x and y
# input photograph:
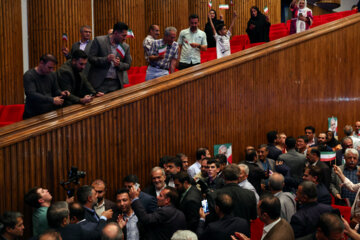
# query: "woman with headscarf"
{"type": "Point", "coordinates": [208, 29]}
{"type": "Point", "coordinates": [258, 26]}
{"type": "Point", "coordinates": [332, 142]}
{"type": "Point", "coordinates": [301, 17]}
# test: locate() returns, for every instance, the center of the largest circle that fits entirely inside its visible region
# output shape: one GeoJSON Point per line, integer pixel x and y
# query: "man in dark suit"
{"type": "Point", "coordinates": [110, 58]}
{"type": "Point", "coordinates": [315, 175]}
{"type": "Point", "coordinates": [102, 204]}
{"type": "Point", "coordinates": [84, 44]}
{"type": "Point", "coordinates": [256, 174]}
{"type": "Point", "coordinates": [227, 224]}
{"type": "Point", "coordinates": [313, 158]}
{"type": "Point", "coordinates": [158, 179]}
{"type": "Point", "coordinates": [149, 202]}
{"type": "Point", "coordinates": [244, 200]}
{"type": "Point", "coordinates": [274, 226]}
{"type": "Point", "coordinates": [274, 152]}
{"type": "Point", "coordinates": [71, 78]}
{"type": "Point", "coordinates": [310, 133]}
{"type": "Point", "coordinates": [346, 143]}
{"type": "Point", "coordinates": [294, 160]}
{"type": "Point", "coordinates": [87, 197]}
{"type": "Point", "coordinates": [90, 230]}
{"type": "Point", "coordinates": [304, 221]}
{"type": "Point", "coordinates": [58, 218]}
{"type": "Point", "coordinates": [190, 199]}
{"type": "Point", "coordinates": [165, 220]}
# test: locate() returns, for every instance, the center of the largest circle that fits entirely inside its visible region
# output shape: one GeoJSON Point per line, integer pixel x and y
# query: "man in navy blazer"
{"type": "Point", "coordinates": [166, 220]}
{"type": "Point", "coordinates": [149, 202]}
{"type": "Point", "coordinates": [305, 220]}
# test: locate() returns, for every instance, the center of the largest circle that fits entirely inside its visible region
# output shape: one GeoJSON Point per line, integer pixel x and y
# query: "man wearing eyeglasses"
{"type": "Point", "coordinates": [102, 204]}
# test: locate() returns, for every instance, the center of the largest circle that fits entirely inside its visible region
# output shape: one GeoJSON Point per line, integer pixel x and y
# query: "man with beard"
{"type": "Point", "coordinates": [191, 41]}
{"type": "Point", "coordinates": [12, 226]}
{"type": "Point", "coordinates": [185, 161]}
{"type": "Point", "coordinates": [110, 58]}
{"type": "Point", "coordinates": [173, 166]}
{"type": "Point", "coordinates": [190, 199]}
{"type": "Point", "coordinates": [71, 78]}
{"type": "Point", "coordinates": [126, 215]}
{"type": "Point", "coordinates": [88, 197]}
{"type": "Point", "coordinates": [102, 203]}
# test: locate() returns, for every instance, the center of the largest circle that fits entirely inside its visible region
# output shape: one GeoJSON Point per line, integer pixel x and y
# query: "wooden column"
{"type": "Point", "coordinates": [11, 64]}
{"type": "Point", "coordinates": [167, 13]}
{"type": "Point", "coordinates": [49, 19]}
{"type": "Point", "coordinates": [131, 12]}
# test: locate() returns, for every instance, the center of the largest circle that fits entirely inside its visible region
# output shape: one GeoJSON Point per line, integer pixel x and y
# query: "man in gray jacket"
{"type": "Point", "coordinates": [110, 58]}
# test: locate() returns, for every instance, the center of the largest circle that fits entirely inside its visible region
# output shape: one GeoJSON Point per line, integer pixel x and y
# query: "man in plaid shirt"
{"type": "Point", "coordinates": [163, 55]}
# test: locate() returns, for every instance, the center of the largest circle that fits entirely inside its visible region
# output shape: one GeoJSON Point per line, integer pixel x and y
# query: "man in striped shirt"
{"type": "Point", "coordinates": [163, 55]}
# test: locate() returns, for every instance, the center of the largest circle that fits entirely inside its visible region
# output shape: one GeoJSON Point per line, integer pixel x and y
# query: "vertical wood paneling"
{"type": "Point", "coordinates": [11, 66]}
{"type": "Point", "coordinates": [236, 102]}
{"type": "Point", "coordinates": [167, 13]}
{"type": "Point", "coordinates": [132, 12]}
{"type": "Point", "coordinates": [48, 20]}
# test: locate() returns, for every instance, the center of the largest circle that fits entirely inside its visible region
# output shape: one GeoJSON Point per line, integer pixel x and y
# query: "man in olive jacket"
{"type": "Point", "coordinates": [71, 78]}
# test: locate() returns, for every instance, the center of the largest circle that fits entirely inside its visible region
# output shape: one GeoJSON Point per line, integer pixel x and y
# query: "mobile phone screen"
{"type": "Point", "coordinates": [205, 206]}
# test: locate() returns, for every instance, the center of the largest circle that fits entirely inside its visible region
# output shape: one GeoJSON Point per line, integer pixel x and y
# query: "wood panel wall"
{"type": "Point", "coordinates": [132, 12]}
{"type": "Point", "coordinates": [235, 100]}
{"type": "Point", "coordinates": [167, 13]}
{"type": "Point", "coordinates": [11, 66]}
{"type": "Point", "coordinates": [48, 20]}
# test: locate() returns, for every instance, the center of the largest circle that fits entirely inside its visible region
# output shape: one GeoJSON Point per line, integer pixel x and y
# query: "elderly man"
{"type": "Point", "coordinates": [348, 131]}
{"type": "Point", "coordinates": [191, 41]}
{"type": "Point", "coordinates": [163, 55]}
{"type": "Point", "coordinates": [351, 185]}
{"type": "Point", "coordinates": [243, 181]}
{"type": "Point", "coordinates": [349, 170]}
{"type": "Point", "coordinates": [154, 33]}
{"type": "Point", "coordinates": [346, 143]}
{"type": "Point", "coordinates": [41, 88]}
{"type": "Point", "coordinates": [287, 199]}
{"type": "Point", "coordinates": [158, 182]}
{"type": "Point", "coordinates": [110, 58]}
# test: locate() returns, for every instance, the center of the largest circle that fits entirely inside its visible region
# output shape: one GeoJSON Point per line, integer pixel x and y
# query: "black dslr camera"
{"type": "Point", "coordinates": [73, 178]}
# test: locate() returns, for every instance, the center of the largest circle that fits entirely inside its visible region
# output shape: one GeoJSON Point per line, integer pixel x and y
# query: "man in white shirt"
{"type": "Point", "coordinates": [195, 168]}
{"type": "Point", "coordinates": [244, 183]}
{"type": "Point", "coordinates": [191, 41]}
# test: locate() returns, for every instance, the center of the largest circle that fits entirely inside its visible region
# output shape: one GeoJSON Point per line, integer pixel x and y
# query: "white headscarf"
{"type": "Point", "coordinates": [301, 25]}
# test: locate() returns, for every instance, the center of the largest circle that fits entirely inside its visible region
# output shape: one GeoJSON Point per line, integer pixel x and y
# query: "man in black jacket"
{"type": "Point", "coordinates": [244, 200]}
{"type": "Point", "coordinates": [71, 78]}
{"type": "Point", "coordinates": [227, 224]}
{"type": "Point", "coordinates": [165, 220]}
{"type": "Point", "coordinates": [190, 199]}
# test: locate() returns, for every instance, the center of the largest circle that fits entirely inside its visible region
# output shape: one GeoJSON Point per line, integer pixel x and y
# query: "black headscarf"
{"type": "Point", "coordinates": [262, 27]}
{"type": "Point", "coordinates": [209, 31]}
{"type": "Point", "coordinates": [333, 142]}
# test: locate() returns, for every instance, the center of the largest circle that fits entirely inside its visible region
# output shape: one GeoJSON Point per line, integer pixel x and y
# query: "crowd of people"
{"type": "Point", "coordinates": [286, 183]}
{"type": "Point", "coordinates": [97, 67]}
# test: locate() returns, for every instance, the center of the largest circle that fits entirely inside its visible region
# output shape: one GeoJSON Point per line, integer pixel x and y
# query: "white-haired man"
{"type": "Point", "coordinates": [244, 183]}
